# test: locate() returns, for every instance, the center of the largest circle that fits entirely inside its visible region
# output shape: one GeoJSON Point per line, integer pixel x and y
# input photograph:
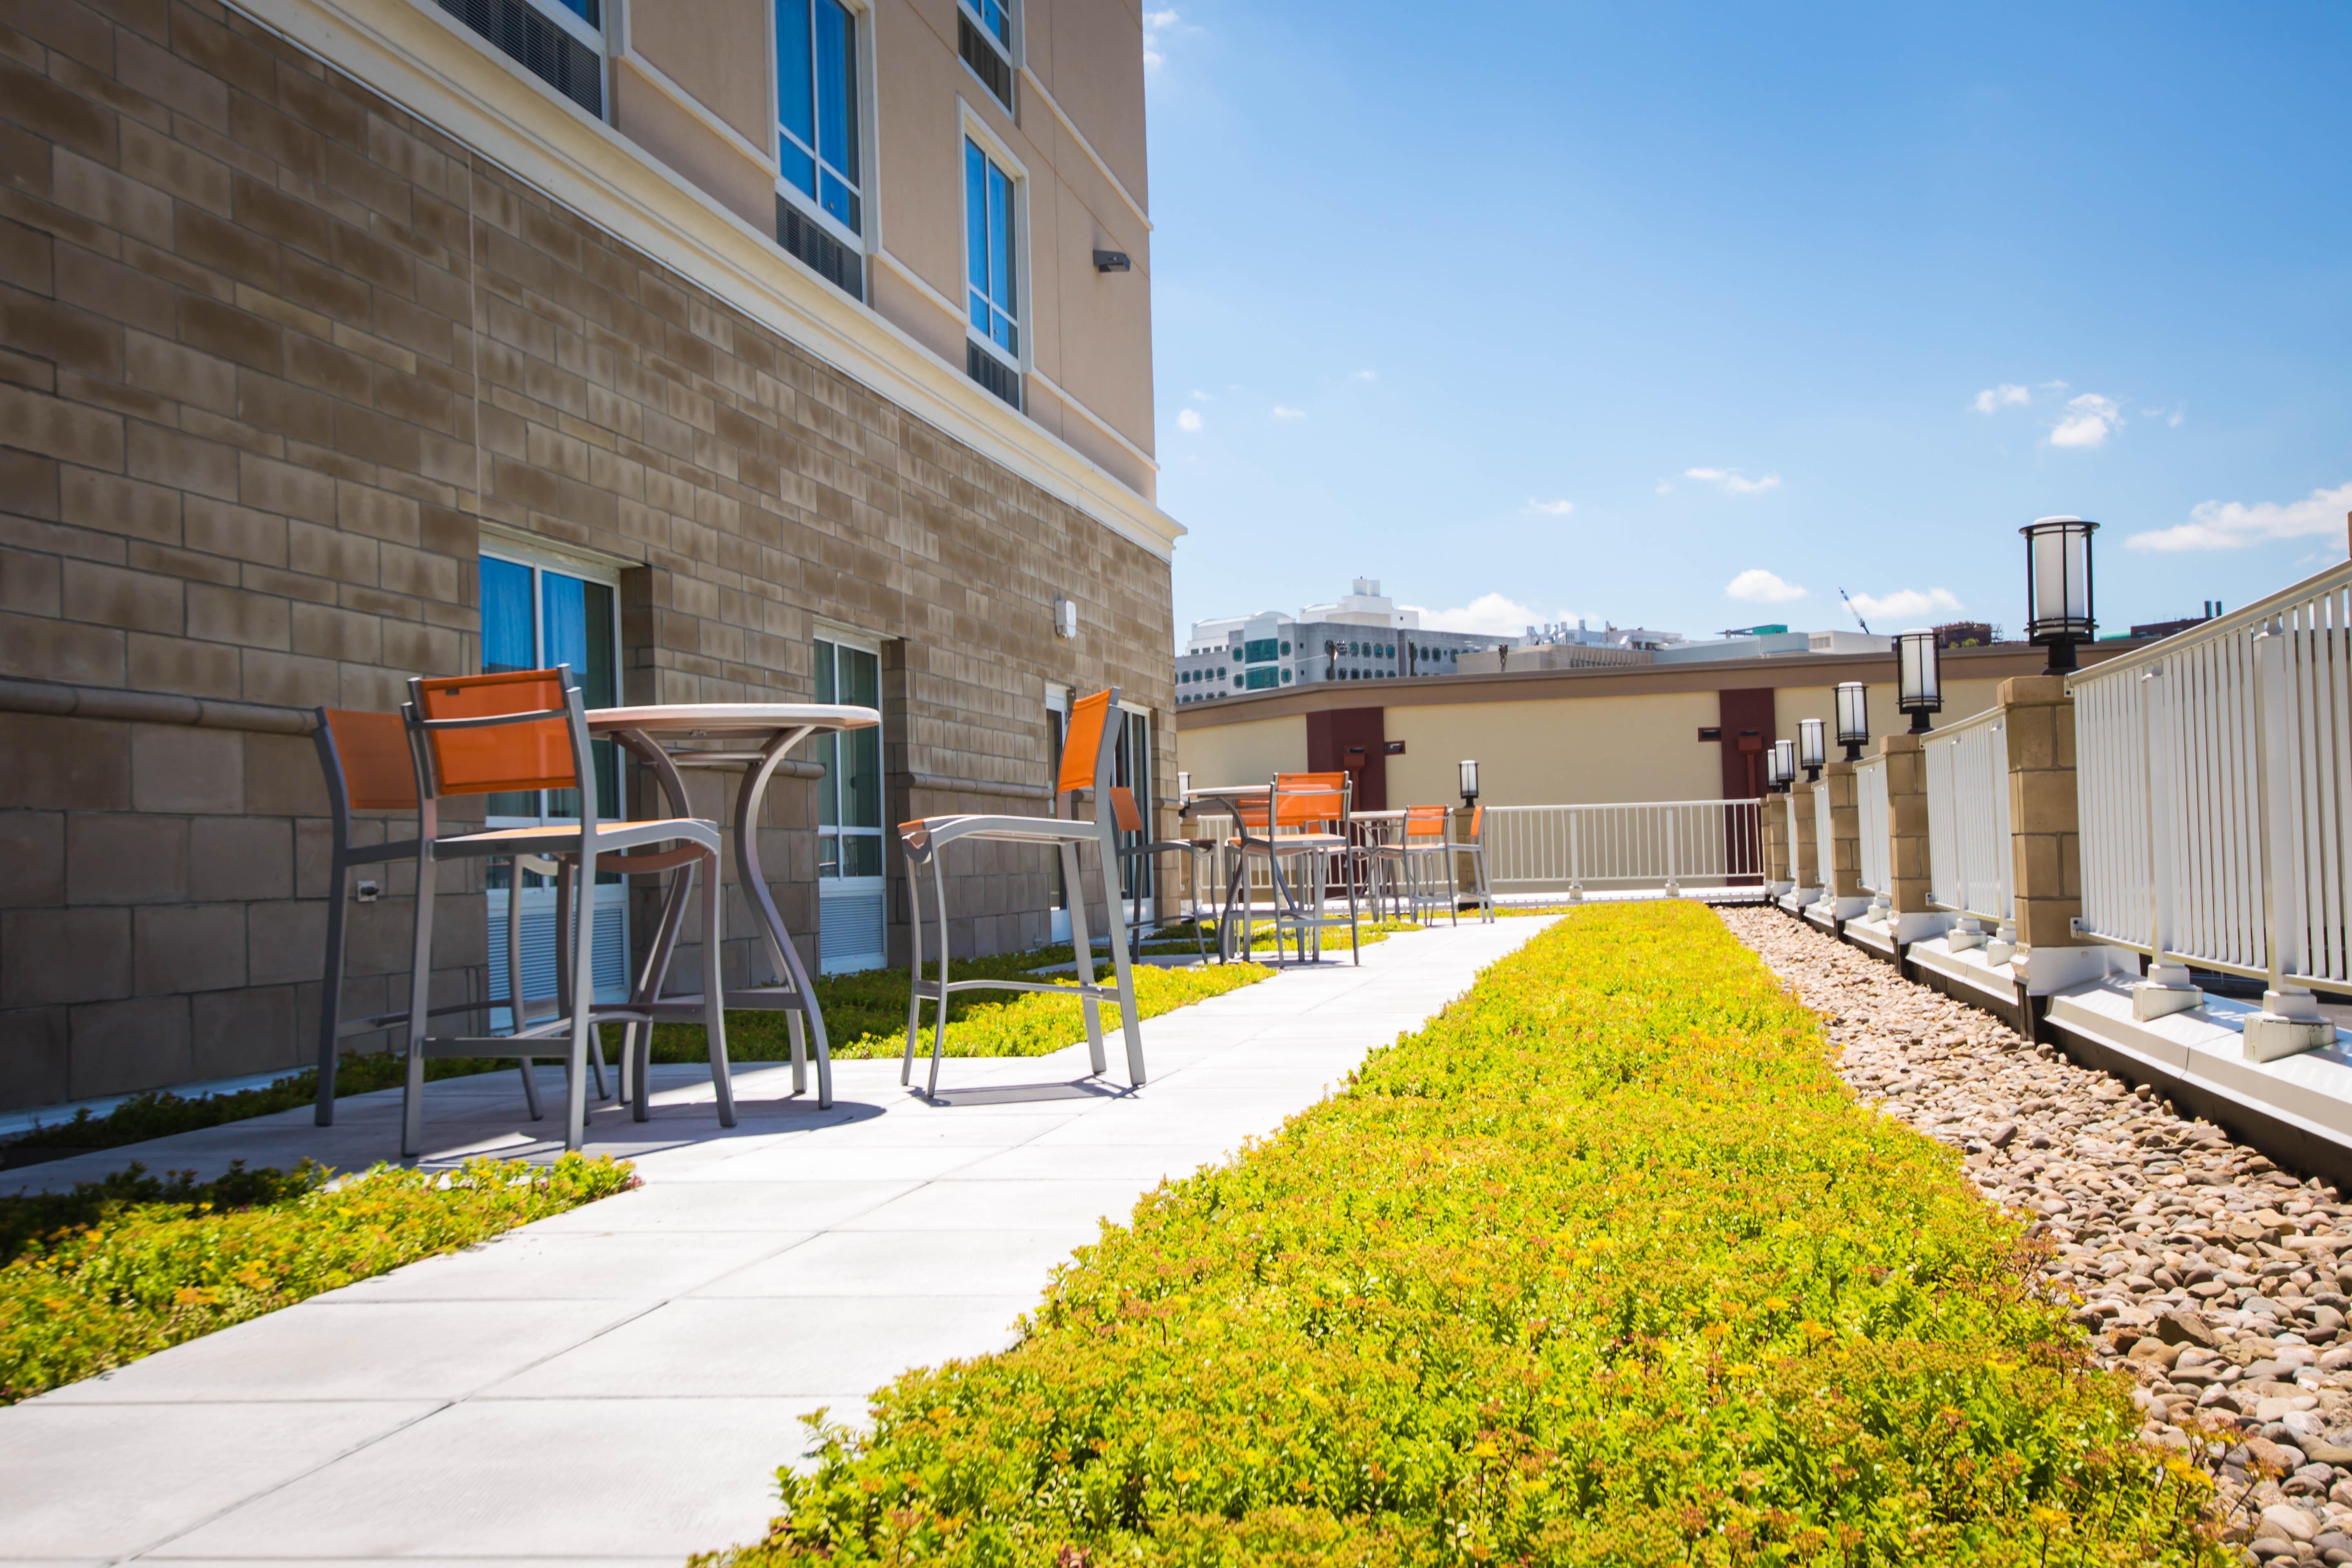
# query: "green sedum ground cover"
{"type": "Point", "coordinates": [1604, 1265]}
{"type": "Point", "coordinates": [121, 1268]}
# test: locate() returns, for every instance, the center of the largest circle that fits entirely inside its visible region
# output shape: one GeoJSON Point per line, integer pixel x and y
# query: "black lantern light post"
{"type": "Point", "coordinates": [2058, 587]}
{"type": "Point", "coordinates": [1810, 751]}
{"type": "Point", "coordinates": [1852, 717]}
{"type": "Point", "coordinates": [1918, 678]}
{"type": "Point", "coordinates": [1469, 782]}
{"type": "Point", "coordinates": [1784, 764]}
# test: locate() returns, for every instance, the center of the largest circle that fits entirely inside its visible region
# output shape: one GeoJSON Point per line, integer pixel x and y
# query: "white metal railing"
{"type": "Point", "coordinates": [2214, 780]}
{"type": "Point", "coordinates": [1969, 864]}
{"type": "Point", "coordinates": [1654, 844]}
{"type": "Point", "coordinates": [1824, 845]}
{"type": "Point", "coordinates": [1870, 803]}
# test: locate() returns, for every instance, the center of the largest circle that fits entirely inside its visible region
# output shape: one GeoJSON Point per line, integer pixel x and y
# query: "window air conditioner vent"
{"type": "Point", "coordinates": [540, 47]}
{"type": "Point", "coordinates": [992, 372]}
{"type": "Point", "coordinates": [833, 261]}
{"type": "Point", "coordinates": [980, 55]}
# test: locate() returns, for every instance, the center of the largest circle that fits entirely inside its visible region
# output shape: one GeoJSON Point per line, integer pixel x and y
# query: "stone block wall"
{"type": "Point", "coordinates": [274, 355]}
{"type": "Point", "coordinates": [2044, 818]}
{"type": "Point", "coordinates": [1907, 863]}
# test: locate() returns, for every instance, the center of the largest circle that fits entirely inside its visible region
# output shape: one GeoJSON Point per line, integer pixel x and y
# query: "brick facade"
{"type": "Point", "coordinates": [273, 355]}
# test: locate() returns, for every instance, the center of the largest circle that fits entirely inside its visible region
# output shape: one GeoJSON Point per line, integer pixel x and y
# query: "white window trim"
{"type": "Point", "coordinates": [569, 20]}
{"type": "Point", "coordinates": [972, 124]}
{"type": "Point", "coordinates": [861, 23]}
{"type": "Point", "coordinates": [1012, 54]}
{"type": "Point", "coordinates": [865, 643]}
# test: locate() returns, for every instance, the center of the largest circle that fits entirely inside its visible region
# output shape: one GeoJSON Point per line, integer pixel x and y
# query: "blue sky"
{"type": "Point", "coordinates": [1662, 313]}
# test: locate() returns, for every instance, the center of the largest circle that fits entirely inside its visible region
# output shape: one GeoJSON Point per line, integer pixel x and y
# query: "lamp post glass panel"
{"type": "Point", "coordinates": [1784, 764]}
{"type": "Point", "coordinates": [1810, 751]}
{"type": "Point", "coordinates": [2058, 587]}
{"type": "Point", "coordinates": [1469, 782]}
{"type": "Point", "coordinates": [1918, 678]}
{"type": "Point", "coordinates": [1852, 717]}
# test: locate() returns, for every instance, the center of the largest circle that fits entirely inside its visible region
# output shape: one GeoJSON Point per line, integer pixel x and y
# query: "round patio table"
{"type": "Point", "coordinates": [751, 739]}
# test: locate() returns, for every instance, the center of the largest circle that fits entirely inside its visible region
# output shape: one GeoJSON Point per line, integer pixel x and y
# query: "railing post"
{"type": "Point", "coordinates": [1672, 891]}
{"type": "Point", "coordinates": [1772, 819]}
{"type": "Point", "coordinates": [1845, 891]}
{"type": "Point", "coordinates": [2290, 1020]}
{"type": "Point", "coordinates": [1805, 868]}
{"type": "Point", "coordinates": [1575, 872]}
{"type": "Point", "coordinates": [1909, 874]}
{"type": "Point", "coordinates": [2044, 819]}
{"type": "Point", "coordinates": [2168, 987]}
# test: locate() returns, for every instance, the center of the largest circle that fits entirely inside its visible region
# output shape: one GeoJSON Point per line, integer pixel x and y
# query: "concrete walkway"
{"type": "Point", "coordinates": [618, 1384]}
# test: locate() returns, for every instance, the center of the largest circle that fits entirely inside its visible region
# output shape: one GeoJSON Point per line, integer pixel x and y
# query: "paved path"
{"type": "Point", "coordinates": [617, 1385]}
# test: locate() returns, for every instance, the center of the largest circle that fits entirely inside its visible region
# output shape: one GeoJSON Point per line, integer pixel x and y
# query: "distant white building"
{"type": "Point", "coordinates": [1361, 636]}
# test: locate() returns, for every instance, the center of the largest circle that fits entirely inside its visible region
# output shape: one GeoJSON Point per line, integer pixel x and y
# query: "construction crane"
{"type": "Point", "coordinates": [1857, 613]}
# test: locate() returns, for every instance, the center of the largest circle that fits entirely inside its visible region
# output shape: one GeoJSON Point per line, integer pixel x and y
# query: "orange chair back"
{"type": "Point", "coordinates": [1424, 822]}
{"type": "Point", "coordinates": [1082, 745]}
{"type": "Point", "coordinates": [1251, 812]}
{"type": "Point", "coordinates": [372, 750]}
{"type": "Point", "coordinates": [1477, 823]}
{"type": "Point", "coordinates": [1300, 799]}
{"type": "Point", "coordinates": [534, 754]}
{"type": "Point", "coordinates": [1122, 808]}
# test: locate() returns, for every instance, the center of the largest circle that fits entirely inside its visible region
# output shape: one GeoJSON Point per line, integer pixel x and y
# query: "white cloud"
{"type": "Point", "coordinates": [1665, 487]}
{"type": "Point", "coordinates": [1189, 419]}
{"type": "Point", "coordinates": [1367, 375]}
{"type": "Point", "coordinates": [1201, 396]}
{"type": "Point", "coordinates": [1488, 615]}
{"type": "Point", "coordinates": [1907, 604]}
{"type": "Point", "coordinates": [2088, 421]}
{"type": "Point", "coordinates": [2007, 395]}
{"type": "Point", "coordinates": [1283, 411]}
{"type": "Point", "coordinates": [1551, 507]}
{"type": "Point", "coordinates": [2172, 420]}
{"type": "Point", "coordinates": [1157, 25]}
{"type": "Point", "coordinates": [2233, 525]}
{"type": "Point", "coordinates": [1731, 481]}
{"type": "Point", "coordinates": [1758, 586]}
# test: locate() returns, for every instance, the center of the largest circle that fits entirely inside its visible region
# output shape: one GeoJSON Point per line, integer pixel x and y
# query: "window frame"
{"type": "Point", "coordinates": [810, 205]}
{"type": "Point", "coordinates": [1009, 47]}
{"type": "Point", "coordinates": [829, 747]}
{"type": "Point", "coordinates": [974, 129]}
{"type": "Point", "coordinates": [539, 560]}
{"type": "Point", "coordinates": [572, 22]}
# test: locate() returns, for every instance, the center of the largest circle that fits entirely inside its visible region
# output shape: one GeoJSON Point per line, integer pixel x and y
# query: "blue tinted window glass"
{"type": "Point", "coordinates": [975, 218]}
{"type": "Point", "coordinates": [996, 18]}
{"type": "Point", "coordinates": [583, 9]}
{"type": "Point", "coordinates": [837, 198]}
{"type": "Point", "coordinates": [564, 623]}
{"type": "Point", "coordinates": [1000, 238]}
{"type": "Point", "coordinates": [836, 88]}
{"type": "Point", "coordinates": [794, 108]}
{"type": "Point", "coordinates": [505, 617]}
{"type": "Point", "coordinates": [798, 167]}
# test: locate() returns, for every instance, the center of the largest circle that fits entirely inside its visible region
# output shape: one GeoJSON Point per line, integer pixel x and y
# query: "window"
{"type": "Point", "coordinates": [1285, 647]}
{"type": "Point", "coordinates": [816, 106]}
{"type": "Point", "coordinates": [984, 39]}
{"type": "Point", "coordinates": [1258, 650]}
{"type": "Point", "coordinates": [850, 925]}
{"type": "Point", "coordinates": [988, 192]}
{"type": "Point", "coordinates": [849, 797]}
{"type": "Point", "coordinates": [1261, 679]}
{"type": "Point", "coordinates": [562, 42]}
{"type": "Point", "coordinates": [1131, 770]}
{"type": "Point", "coordinates": [539, 612]}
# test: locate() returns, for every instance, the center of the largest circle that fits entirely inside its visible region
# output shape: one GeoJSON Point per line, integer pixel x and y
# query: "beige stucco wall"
{"type": "Point", "coordinates": [696, 153]}
{"type": "Point", "coordinates": [700, 45]}
{"type": "Point", "coordinates": [1552, 749]}
{"type": "Point", "coordinates": [1243, 754]}
{"type": "Point", "coordinates": [1558, 753]}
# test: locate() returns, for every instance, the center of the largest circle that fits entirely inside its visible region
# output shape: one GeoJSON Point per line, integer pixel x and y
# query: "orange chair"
{"type": "Point", "coordinates": [369, 767]}
{"type": "Point", "coordinates": [526, 729]}
{"type": "Point", "coordinates": [1130, 818]}
{"type": "Point", "coordinates": [1304, 821]}
{"type": "Point", "coordinates": [1424, 846]}
{"type": "Point", "coordinates": [1086, 765]}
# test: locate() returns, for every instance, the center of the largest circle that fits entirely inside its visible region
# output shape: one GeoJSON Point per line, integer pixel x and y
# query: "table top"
{"type": "Point", "coordinates": [731, 720]}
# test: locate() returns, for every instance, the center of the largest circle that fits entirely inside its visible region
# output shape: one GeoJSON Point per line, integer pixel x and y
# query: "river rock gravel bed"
{"type": "Point", "coordinates": [2216, 1280]}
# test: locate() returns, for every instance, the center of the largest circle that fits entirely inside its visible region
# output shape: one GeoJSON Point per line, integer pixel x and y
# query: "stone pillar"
{"type": "Point", "coordinates": [1908, 872]}
{"type": "Point", "coordinates": [1845, 892]}
{"type": "Point", "coordinates": [1806, 852]}
{"type": "Point", "coordinates": [1773, 815]}
{"type": "Point", "coordinates": [2046, 868]}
